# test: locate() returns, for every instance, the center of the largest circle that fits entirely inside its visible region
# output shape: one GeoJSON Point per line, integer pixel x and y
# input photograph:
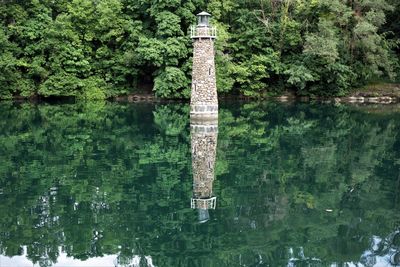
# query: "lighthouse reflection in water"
{"type": "Point", "coordinates": [204, 135]}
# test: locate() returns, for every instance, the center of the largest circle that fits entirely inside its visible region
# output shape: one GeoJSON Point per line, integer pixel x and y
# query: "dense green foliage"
{"type": "Point", "coordinates": [97, 49]}
{"type": "Point", "coordinates": [320, 181]}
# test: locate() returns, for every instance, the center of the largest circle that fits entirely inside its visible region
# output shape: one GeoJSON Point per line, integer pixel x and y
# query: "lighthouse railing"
{"type": "Point", "coordinates": [203, 32]}
{"type": "Point", "coordinates": [203, 203]}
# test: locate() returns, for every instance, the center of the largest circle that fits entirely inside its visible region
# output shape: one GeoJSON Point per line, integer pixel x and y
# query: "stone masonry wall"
{"type": "Point", "coordinates": [204, 89]}
{"type": "Point", "coordinates": [204, 149]}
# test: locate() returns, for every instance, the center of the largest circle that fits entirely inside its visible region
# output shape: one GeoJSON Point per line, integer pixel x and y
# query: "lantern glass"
{"type": "Point", "coordinates": [203, 19]}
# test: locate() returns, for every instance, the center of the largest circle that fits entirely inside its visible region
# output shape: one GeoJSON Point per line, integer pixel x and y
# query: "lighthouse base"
{"type": "Point", "coordinates": [204, 111]}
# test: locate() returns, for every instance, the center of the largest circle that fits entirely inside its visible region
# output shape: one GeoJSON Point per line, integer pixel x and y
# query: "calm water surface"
{"type": "Point", "coordinates": [134, 185]}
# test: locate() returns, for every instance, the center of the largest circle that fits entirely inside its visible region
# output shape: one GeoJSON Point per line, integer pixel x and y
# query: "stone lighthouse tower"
{"type": "Point", "coordinates": [203, 101]}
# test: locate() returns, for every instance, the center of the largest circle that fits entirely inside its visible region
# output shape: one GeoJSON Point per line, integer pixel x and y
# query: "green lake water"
{"type": "Point", "coordinates": [108, 184]}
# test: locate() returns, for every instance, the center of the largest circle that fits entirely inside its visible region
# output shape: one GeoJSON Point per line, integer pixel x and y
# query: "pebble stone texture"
{"type": "Point", "coordinates": [204, 99]}
{"type": "Point", "coordinates": [204, 149]}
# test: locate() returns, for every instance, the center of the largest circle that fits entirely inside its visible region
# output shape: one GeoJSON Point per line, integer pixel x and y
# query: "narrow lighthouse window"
{"type": "Point", "coordinates": [209, 71]}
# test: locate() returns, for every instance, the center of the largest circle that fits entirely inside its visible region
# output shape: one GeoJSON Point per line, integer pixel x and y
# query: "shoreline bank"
{"type": "Point", "coordinates": [371, 94]}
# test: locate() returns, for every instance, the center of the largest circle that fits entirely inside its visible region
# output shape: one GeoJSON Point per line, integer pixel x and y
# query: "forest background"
{"type": "Point", "coordinates": [96, 49]}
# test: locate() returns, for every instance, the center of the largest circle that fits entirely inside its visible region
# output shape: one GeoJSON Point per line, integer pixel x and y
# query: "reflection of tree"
{"type": "Point", "coordinates": [321, 159]}
{"type": "Point", "coordinates": [114, 179]}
